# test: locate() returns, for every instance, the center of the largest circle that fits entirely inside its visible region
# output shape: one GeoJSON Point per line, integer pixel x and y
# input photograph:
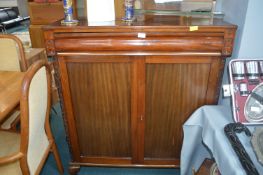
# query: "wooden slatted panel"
{"type": "Point", "coordinates": [173, 92]}
{"type": "Point", "coordinates": [100, 95]}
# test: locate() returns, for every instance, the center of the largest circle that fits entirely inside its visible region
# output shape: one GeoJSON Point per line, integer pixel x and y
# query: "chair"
{"type": "Point", "coordinates": [26, 153]}
{"type": "Point", "coordinates": [12, 58]}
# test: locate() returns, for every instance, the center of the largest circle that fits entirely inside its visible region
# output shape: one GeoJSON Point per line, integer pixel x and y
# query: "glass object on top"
{"type": "Point", "coordinates": [175, 7]}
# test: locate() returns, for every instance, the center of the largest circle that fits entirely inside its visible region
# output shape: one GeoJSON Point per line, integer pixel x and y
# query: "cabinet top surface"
{"type": "Point", "coordinates": [150, 23]}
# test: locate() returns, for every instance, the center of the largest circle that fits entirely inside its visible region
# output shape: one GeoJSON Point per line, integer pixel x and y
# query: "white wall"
{"type": "Point", "coordinates": [22, 7]}
{"type": "Point", "coordinates": [248, 43]}
{"type": "Point", "coordinates": [8, 3]}
{"type": "Point", "coordinates": [235, 12]}
{"type": "Point", "coordinates": [252, 39]}
{"type": "Point", "coordinates": [21, 4]}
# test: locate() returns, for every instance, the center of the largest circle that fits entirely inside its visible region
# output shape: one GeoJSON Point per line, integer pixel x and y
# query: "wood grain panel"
{"type": "Point", "coordinates": [160, 43]}
{"type": "Point", "coordinates": [36, 36]}
{"type": "Point", "coordinates": [10, 83]}
{"type": "Point", "coordinates": [119, 9]}
{"type": "Point", "coordinates": [45, 13]}
{"type": "Point", "coordinates": [173, 91]}
{"type": "Point", "coordinates": [100, 95]}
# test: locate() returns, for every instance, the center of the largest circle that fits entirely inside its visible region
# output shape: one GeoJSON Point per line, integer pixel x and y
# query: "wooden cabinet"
{"type": "Point", "coordinates": [36, 36]}
{"type": "Point", "coordinates": [128, 89]}
{"type": "Point", "coordinates": [40, 15]}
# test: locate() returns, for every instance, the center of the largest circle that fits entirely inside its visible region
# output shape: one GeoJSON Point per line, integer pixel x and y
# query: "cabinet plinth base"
{"type": "Point", "coordinates": [126, 164]}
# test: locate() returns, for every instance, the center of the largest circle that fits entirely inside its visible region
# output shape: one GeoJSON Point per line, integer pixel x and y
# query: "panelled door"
{"type": "Point", "coordinates": [175, 87]}
{"type": "Point", "coordinates": [98, 102]}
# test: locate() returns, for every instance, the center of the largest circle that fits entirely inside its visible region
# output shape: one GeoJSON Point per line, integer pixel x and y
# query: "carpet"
{"type": "Point", "coordinates": [58, 130]}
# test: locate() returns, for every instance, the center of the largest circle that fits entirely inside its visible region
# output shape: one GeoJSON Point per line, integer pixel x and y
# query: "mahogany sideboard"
{"type": "Point", "coordinates": [127, 88]}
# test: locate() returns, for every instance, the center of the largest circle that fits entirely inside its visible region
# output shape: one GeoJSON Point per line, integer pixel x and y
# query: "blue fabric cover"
{"type": "Point", "coordinates": [204, 138]}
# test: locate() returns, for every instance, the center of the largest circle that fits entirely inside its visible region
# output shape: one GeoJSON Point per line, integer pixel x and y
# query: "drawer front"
{"type": "Point", "coordinates": [137, 42]}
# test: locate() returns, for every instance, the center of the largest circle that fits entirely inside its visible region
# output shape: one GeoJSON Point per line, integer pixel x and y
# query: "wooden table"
{"type": "Point", "coordinates": [10, 85]}
{"type": "Point", "coordinates": [35, 54]}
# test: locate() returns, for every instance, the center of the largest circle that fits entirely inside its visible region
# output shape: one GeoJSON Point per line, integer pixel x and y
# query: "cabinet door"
{"type": "Point", "coordinates": [175, 87]}
{"type": "Point", "coordinates": [97, 98]}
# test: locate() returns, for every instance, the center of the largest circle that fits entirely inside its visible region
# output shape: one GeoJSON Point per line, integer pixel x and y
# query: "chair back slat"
{"type": "Point", "coordinates": [12, 56]}
{"type": "Point", "coordinates": [9, 57]}
{"type": "Point", "coordinates": [38, 140]}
